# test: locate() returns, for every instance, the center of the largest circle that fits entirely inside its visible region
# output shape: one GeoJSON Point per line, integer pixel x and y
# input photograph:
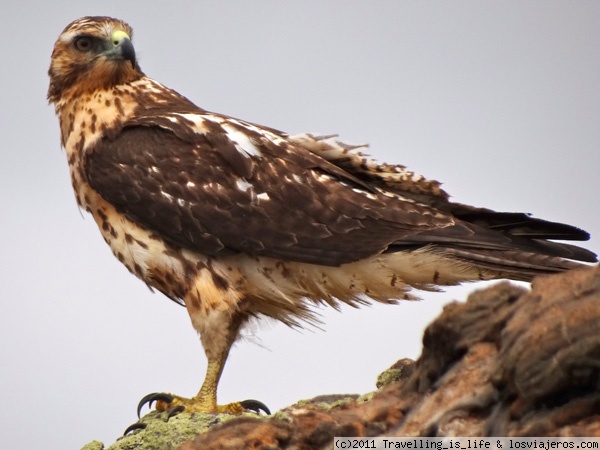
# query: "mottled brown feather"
{"type": "Point", "coordinates": [314, 213]}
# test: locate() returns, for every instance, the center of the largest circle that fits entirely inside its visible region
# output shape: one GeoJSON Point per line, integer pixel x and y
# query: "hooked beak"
{"type": "Point", "coordinates": [121, 48]}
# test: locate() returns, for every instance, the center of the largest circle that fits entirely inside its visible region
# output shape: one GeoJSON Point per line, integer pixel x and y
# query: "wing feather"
{"type": "Point", "coordinates": [213, 184]}
{"type": "Point", "coordinates": [196, 190]}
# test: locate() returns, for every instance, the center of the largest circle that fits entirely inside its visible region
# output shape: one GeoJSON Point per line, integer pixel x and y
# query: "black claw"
{"type": "Point", "coordinates": [256, 406]}
{"type": "Point", "coordinates": [151, 398]}
{"type": "Point", "coordinates": [135, 426]}
{"type": "Point", "coordinates": [174, 411]}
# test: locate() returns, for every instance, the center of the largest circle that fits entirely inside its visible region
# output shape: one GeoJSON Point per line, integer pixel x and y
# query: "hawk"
{"type": "Point", "coordinates": [235, 220]}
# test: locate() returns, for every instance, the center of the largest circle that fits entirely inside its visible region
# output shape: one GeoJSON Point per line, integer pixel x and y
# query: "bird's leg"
{"type": "Point", "coordinates": [217, 348]}
{"type": "Point", "coordinates": [206, 398]}
{"type": "Point", "coordinates": [207, 395]}
{"type": "Point", "coordinates": [217, 357]}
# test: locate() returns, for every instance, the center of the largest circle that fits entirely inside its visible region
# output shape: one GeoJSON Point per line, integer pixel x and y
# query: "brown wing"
{"type": "Point", "coordinates": [200, 191]}
{"type": "Point", "coordinates": [213, 185]}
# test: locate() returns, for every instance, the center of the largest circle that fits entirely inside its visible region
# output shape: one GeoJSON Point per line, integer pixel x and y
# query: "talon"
{"type": "Point", "coordinates": [151, 398]}
{"type": "Point", "coordinates": [135, 426]}
{"type": "Point", "coordinates": [256, 406]}
{"type": "Point", "coordinates": [174, 411]}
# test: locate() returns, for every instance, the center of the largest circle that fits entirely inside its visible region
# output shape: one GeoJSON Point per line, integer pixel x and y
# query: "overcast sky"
{"type": "Point", "coordinates": [498, 100]}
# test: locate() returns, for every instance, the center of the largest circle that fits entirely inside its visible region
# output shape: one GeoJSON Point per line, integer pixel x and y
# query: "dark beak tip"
{"type": "Point", "coordinates": [128, 52]}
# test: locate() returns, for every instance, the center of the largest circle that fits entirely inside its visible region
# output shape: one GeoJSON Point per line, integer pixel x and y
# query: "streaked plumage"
{"type": "Point", "coordinates": [235, 220]}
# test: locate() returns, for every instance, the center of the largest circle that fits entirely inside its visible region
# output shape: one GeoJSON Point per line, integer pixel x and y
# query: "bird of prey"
{"type": "Point", "coordinates": [235, 220]}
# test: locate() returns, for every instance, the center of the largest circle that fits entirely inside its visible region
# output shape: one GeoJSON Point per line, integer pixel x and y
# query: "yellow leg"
{"type": "Point", "coordinates": [205, 400]}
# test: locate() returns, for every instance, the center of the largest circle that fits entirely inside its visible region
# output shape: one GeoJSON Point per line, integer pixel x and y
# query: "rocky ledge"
{"type": "Point", "coordinates": [508, 362]}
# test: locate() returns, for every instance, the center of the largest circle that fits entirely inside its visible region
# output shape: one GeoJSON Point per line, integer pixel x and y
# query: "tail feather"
{"type": "Point", "coordinates": [507, 245]}
{"type": "Point", "coordinates": [522, 224]}
{"type": "Point", "coordinates": [513, 264]}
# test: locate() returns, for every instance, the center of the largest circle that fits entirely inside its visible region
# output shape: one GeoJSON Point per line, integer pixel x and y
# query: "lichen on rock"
{"type": "Point", "coordinates": [164, 434]}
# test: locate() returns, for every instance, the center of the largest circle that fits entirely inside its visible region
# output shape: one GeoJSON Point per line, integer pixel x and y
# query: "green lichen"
{"type": "Point", "coordinates": [162, 435]}
{"type": "Point", "coordinates": [400, 370]}
{"type": "Point", "coordinates": [94, 445]}
{"type": "Point", "coordinates": [342, 401]}
{"type": "Point", "coordinates": [389, 376]}
{"type": "Point", "coordinates": [327, 402]}
{"type": "Point", "coordinates": [281, 416]}
{"type": "Point", "coordinates": [365, 398]}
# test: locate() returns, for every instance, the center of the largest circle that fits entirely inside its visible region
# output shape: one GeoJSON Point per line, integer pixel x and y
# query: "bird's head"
{"type": "Point", "coordinates": [92, 53]}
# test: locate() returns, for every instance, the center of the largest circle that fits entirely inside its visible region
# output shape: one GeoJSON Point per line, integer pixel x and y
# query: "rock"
{"type": "Point", "coordinates": [508, 362]}
{"type": "Point", "coordinates": [160, 433]}
{"type": "Point", "coordinates": [400, 370]}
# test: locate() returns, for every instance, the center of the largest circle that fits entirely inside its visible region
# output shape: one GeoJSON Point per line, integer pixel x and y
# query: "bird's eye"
{"type": "Point", "coordinates": [83, 44]}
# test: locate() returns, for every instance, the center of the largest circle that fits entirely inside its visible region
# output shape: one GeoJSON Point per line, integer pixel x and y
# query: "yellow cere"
{"type": "Point", "coordinates": [118, 36]}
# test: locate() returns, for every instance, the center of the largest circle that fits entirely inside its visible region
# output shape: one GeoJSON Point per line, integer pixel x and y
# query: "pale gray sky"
{"type": "Point", "coordinates": [498, 100]}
